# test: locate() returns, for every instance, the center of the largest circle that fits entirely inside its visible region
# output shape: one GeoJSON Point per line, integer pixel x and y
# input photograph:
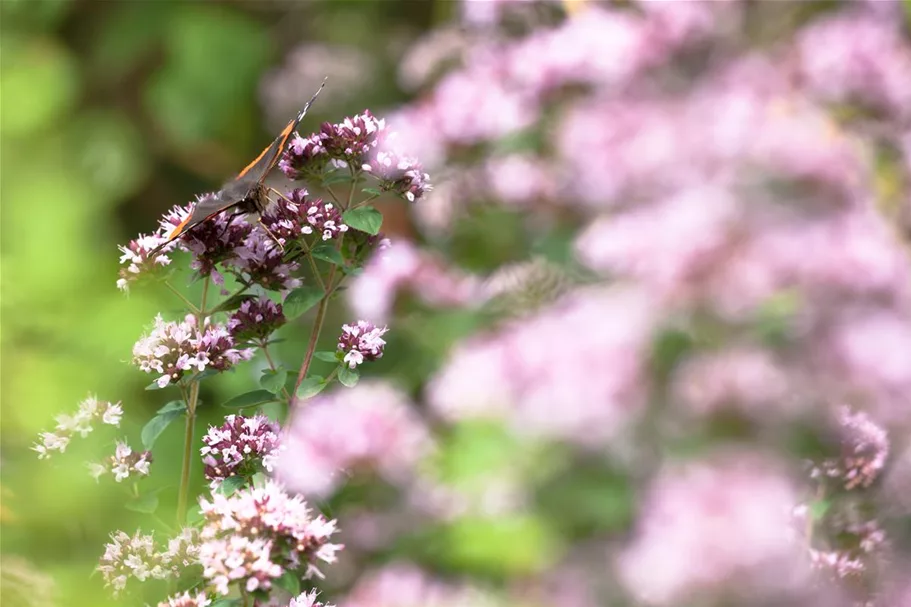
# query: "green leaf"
{"type": "Point", "coordinates": [146, 504]}
{"type": "Point", "coordinates": [174, 405]}
{"type": "Point", "coordinates": [327, 252]}
{"type": "Point", "coordinates": [154, 386]}
{"type": "Point", "coordinates": [208, 372]}
{"type": "Point", "coordinates": [250, 399]}
{"type": "Point", "coordinates": [300, 300]}
{"type": "Point", "coordinates": [273, 381]}
{"type": "Point", "coordinates": [818, 509]}
{"type": "Point", "coordinates": [231, 484]}
{"type": "Point", "coordinates": [290, 581]}
{"type": "Point", "coordinates": [155, 426]}
{"type": "Point", "coordinates": [338, 176]}
{"type": "Point", "coordinates": [347, 376]}
{"type": "Point", "coordinates": [510, 546]}
{"type": "Point", "coordinates": [372, 191]}
{"type": "Point", "coordinates": [311, 386]}
{"type": "Point", "coordinates": [329, 356]}
{"type": "Point", "coordinates": [366, 219]}
{"type": "Point", "coordinates": [274, 411]}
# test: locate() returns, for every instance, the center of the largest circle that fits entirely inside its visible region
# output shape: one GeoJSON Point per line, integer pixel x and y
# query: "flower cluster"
{"type": "Point", "coordinates": [256, 320]}
{"type": "Point", "coordinates": [864, 449]}
{"type": "Point", "coordinates": [185, 599]}
{"type": "Point", "coordinates": [258, 534]}
{"type": "Point", "coordinates": [362, 341]}
{"type": "Point", "coordinates": [173, 348]}
{"type": "Point", "coordinates": [364, 143]}
{"type": "Point", "coordinates": [90, 410]}
{"type": "Point", "coordinates": [135, 556]}
{"type": "Point", "coordinates": [239, 447]}
{"type": "Point", "coordinates": [124, 463]}
{"type": "Point", "coordinates": [513, 375]}
{"type": "Point", "coordinates": [138, 260]}
{"type": "Point", "coordinates": [866, 540]}
{"type": "Point", "coordinates": [371, 426]}
{"type": "Point", "coordinates": [308, 599]}
{"type": "Point", "coordinates": [296, 215]}
{"type": "Point", "coordinates": [262, 260]}
{"type": "Point", "coordinates": [733, 512]}
{"type": "Point", "coordinates": [404, 584]}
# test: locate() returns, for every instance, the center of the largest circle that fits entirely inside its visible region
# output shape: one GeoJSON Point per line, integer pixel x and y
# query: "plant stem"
{"type": "Point", "coordinates": [184, 490]}
{"type": "Point", "coordinates": [265, 348]}
{"type": "Point", "coordinates": [191, 400]}
{"type": "Point", "coordinates": [314, 332]}
{"type": "Point", "coordinates": [186, 301]}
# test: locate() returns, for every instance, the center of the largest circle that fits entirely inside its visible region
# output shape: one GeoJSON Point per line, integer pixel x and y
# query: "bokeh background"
{"type": "Point", "coordinates": [736, 173]}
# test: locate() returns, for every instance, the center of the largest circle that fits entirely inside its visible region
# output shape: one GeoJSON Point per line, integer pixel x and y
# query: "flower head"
{"type": "Point", "coordinates": [173, 348]}
{"type": "Point", "coordinates": [239, 447]}
{"type": "Point", "coordinates": [186, 599]}
{"type": "Point", "coordinates": [256, 535]}
{"type": "Point", "coordinates": [138, 260]}
{"type": "Point", "coordinates": [123, 463]}
{"type": "Point", "coordinates": [362, 341]}
{"type": "Point", "coordinates": [256, 319]}
{"type": "Point", "coordinates": [133, 556]}
{"type": "Point", "coordinates": [308, 599]}
{"type": "Point", "coordinates": [298, 216]}
{"type": "Point", "coordinates": [369, 427]}
{"type": "Point", "coordinates": [263, 262]}
{"type": "Point", "coordinates": [90, 410]}
{"type": "Point", "coordinates": [864, 449]}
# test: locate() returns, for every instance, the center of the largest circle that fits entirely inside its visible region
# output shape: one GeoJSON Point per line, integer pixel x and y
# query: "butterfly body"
{"type": "Point", "coordinates": [247, 192]}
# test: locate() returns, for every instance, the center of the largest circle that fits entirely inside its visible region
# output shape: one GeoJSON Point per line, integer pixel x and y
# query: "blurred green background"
{"type": "Point", "coordinates": [110, 113]}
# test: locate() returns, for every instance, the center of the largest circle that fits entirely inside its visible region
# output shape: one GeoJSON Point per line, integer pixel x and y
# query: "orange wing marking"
{"type": "Point", "coordinates": [283, 137]}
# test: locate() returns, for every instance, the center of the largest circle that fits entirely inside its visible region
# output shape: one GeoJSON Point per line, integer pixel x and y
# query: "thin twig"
{"type": "Point", "coordinates": [186, 301]}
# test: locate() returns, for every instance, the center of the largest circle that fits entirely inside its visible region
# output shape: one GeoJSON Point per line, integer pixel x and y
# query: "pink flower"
{"type": "Point", "coordinates": [256, 535]}
{"type": "Point", "coordinates": [90, 411]}
{"type": "Point", "coordinates": [402, 266]}
{"type": "Point", "coordinates": [401, 584]}
{"type": "Point", "coordinates": [573, 372]}
{"type": "Point", "coordinates": [362, 341]}
{"type": "Point", "coordinates": [173, 348]}
{"type": "Point", "coordinates": [123, 464]}
{"type": "Point", "coordinates": [715, 526]}
{"type": "Point", "coordinates": [186, 599]}
{"type": "Point", "coordinates": [369, 426]}
{"type": "Point", "coordinates": [241, 446]}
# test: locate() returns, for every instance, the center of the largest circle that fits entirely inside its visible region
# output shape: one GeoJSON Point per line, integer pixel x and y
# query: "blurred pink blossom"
{"type": "Point", "coordinates": [713, 527]}
{"type": "Point", "coordinates": [370, 426]}
{"type": "Point", "coordinates": [404, 266]}
{"type": "Point", "coordinates": [400, 584]}
{"type": "Point", "coordinates": [573, 372]}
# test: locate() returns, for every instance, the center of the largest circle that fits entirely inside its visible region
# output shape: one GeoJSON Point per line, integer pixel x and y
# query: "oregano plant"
{"type": "Point", "coordinates": [246, 541]}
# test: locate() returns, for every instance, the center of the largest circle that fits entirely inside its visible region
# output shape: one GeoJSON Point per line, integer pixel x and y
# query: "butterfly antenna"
{"type": "Point", "coordinates": [272, 235]}
{"type": "Point", "coordinates": [303, 112]}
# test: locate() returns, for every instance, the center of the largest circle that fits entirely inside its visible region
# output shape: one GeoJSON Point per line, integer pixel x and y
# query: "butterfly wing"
{"type": "Point", "coordinates": [257, 170]}
{"type": "Point", "coordinates": [205, 208]}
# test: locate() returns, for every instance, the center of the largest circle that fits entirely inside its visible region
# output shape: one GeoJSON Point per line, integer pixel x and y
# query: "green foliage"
{"type": "Point", "coordinates": [300, 300]}
{"type": "Point", "coordinates": [250, 399]}
{"type": "Point", "coordinates": [273, 381]}
{"type": "Point", "coordinates": [153, 429]}
{"type": "Point", "coordinates": [366, 219]}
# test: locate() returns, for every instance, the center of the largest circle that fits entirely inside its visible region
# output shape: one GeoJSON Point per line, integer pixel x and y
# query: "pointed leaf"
{"type": "Point", "coordinates": [147, 503]}
{"type": "Point", "coordinates": [347, 376]}
{"type": "Point", "coordinates": [231, 484]}
{"type": "Point", "coordinates": [327, 252]}
{"type": "Point", "coordinates": [250, 399]}
{"type": "Point", "coordinates": [273, 381]}
{"type": "Point", "coordinates": [174, 405]}
{"type": "Point", "coordinates": [310, 387]}
{"type": "Point", "coordinates": [290, 581]}
{"type": "Point", "coordinates": [329, 356]}
{"type": "Point", "coordinates": [366, 219]}
{"type": "Point", "coordinates": [372, 191]}
{"type": "Point", "coordinates": [155, 426]}
{"type": "Point", "coordinates": [300, 300]}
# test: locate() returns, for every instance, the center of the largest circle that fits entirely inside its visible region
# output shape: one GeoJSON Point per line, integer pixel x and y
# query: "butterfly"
{"type": "Point", "coordinates": [247, 192]}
